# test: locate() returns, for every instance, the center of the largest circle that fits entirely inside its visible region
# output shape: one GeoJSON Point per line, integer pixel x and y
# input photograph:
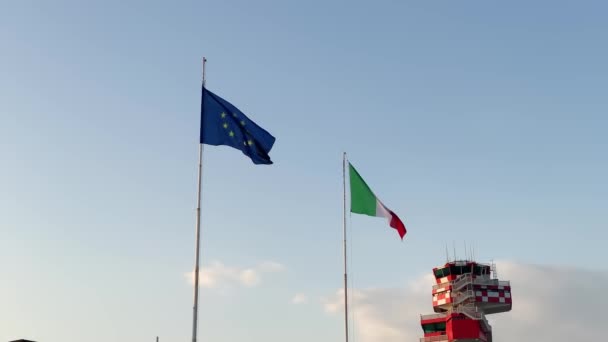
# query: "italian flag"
{"type": "Point", "coordinates": [363, 201]}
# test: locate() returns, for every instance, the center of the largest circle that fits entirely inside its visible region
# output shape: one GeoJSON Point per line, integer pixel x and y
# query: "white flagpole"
{"type": "Point", "coordinates": [198, 230]}
{"type": "Point", "coordinates": [344, 234]}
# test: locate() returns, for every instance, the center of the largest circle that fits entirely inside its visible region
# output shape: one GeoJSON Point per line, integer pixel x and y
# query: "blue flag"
{"type": "Point", "coordinates": [224, 124]}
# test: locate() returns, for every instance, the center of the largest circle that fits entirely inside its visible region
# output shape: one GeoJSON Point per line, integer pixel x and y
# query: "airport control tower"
{"type": "Point", "coordinates": [465, 292]}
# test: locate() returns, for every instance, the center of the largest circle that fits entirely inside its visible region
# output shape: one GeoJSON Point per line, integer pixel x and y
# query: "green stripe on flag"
{"type": "Point", "coordinates": [362, 199]}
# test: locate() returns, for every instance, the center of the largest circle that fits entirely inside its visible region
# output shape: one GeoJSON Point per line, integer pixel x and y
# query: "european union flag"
{"type": "Point", "coordinates": [224, 124]}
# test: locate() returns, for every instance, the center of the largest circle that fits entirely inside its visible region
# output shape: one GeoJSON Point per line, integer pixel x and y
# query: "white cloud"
{"type": "Point", "coordinates": [271, 266]}
{"type": "Point", "coordinates": [249, 277]}
{"type": "Point", "coordinates": [219, 275]}
{"type": "Point", "coordinates": [550, 304]}
{"type": "Point", "coordinates": [299, 298]}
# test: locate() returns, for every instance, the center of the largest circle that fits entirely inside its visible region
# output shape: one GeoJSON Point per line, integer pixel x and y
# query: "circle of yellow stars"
{"type": "Point", "coordinates": [231, 133]}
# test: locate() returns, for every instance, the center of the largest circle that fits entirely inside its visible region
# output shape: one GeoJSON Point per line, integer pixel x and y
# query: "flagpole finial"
{"type": "Point", "coordinates": [204, 62]}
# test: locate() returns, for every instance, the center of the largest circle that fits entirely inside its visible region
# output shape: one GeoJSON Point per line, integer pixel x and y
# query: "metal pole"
{"type": "Point", "coordinates": [198, 230]}
{"type": "Point", "coordinates": [344, 233]}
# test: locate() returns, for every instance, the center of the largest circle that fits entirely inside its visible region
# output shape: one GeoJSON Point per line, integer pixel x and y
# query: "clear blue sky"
{"type": "Point", "coordinates": [475, 121]}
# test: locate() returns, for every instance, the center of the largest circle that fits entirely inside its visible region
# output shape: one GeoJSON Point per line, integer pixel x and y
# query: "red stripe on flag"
{"type": "Point", "coordinates": [397, 224]}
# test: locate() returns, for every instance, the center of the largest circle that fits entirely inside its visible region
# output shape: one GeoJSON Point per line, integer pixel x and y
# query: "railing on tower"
{"type": "Point", "coordinates": [460, 297]}
{"type": "Point", "coordinates": [434, 316]}
{"type": "Point", "coordinates": [493, 269]}
{"type": "Point", "coordinates": [469, 311]}
{"type": "Point", "coordinates": [461, 281]}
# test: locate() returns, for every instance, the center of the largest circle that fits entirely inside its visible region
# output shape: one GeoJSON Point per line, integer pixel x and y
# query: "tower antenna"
{"type": "Point", "coordinates": [447, 255]}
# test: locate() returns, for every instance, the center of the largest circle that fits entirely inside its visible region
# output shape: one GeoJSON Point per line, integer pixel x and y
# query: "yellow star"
{"type": "Point", "coordinates": [234, 115]}
{"type": "Point", "coordinates": [250, 142]}
{"type": "Point", "coordinates": [225, 125]}
{"type": "Point", "coordinates": [223, 115]}
{"type": "Point", "coordinates": [231, 133]}
{"type": "Point", "coordinates": [242, 122]}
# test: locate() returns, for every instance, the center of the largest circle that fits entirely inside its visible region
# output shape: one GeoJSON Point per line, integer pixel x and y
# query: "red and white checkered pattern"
{"type": "Point", "coordinates": [442, 298]}
{"type": "Point", "coordinates": [446, 288]}
{"type": "Point", "coordinates": [446, 279]}
{"type": "Point", "coordinates": [493, 287]}
{"type": "Point", "coordinates": [488, 296]}
{"type": "Point", "coordinates": [494, 295]}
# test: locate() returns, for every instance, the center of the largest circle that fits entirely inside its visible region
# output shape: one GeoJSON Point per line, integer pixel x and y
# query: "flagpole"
{"type": "Point", "coordinates": [344, 234]}
{"type": "Point", "coordinates": [198, 230]}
